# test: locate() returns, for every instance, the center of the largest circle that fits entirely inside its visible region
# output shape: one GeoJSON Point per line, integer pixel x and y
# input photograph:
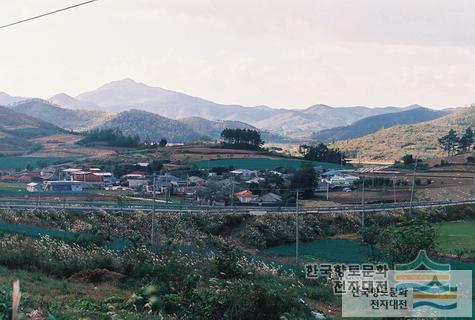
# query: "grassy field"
{"type": "Point", "coordinates": [52, 298]}
{"type": "Point", "coordinates": [457, 235]}
{"type": "Point", "coordinates": [17, 187]}
{"type": "Point", "coordinates": [260, 163]}
{"type": "Point", "coordinates": [23, 162]}
{"type": "Point", "coordinates": [330, 250]}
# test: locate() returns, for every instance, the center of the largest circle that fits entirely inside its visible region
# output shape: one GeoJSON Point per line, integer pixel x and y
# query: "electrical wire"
{"type": "Point", "coordinates": [47, 14]}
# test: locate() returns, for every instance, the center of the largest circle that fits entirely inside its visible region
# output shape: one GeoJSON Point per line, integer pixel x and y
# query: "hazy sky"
{"type": "Point", "coordinates": [283, 53]}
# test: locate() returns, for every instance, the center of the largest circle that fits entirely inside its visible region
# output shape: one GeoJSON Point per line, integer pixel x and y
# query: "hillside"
{"type": "Point", "coordinates": [303, 123]}
{"type": "Point", "coordinates": [78, 120]}
{"type": "Point", "coordinates": [151, 126]}
{"type": "Point", "coordinates": [372, 124]}
{"type": "Point", "coordinates": [146, 123]}
{"type": "Point", "coordinates": [213, 129]}
{"type": "Point", "coordinates": [418, 139]}
{"type": "Point", "coordinates": [16, 129]}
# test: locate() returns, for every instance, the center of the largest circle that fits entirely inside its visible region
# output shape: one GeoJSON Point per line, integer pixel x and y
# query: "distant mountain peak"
{"type": "Point", "coordinates": [66, 101]}
{"type": "Point", "coordinates": [6, 99]}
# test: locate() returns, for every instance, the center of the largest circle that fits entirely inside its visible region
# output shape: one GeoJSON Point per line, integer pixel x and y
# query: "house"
{"type": "Point", "coordinates": [107, 178]}
{"type": "Point", "coordinates": [168, 182]}
{"type": "Point", "coordinates": [27, 177]}
{"type": "Point", "coordinates": [246, 196]}
{"type": "Point", "coordinates": [64, 186]}
{"type": "Point", "coordinates": [194, 180]}
{"type": "Point", "coordinates": [337, 179]}
{"type": "Point", "coordinates": [270, 198]}
{"type": "Point", "coordinates": [244, 174]}
{"type": "Point", "coordinates": [86, 177]}
{"type": "Point", "coordinates": [135, 180]}
{"type": "Point", "coordinates": [255, 180]}
{"type": "Point", "coordinates": [46, 175]}
{"type": "Point", "coordinates": [33, 187]}
{"type": "Point", "coordinates": [142, 164]}
{"type": "Point", "coordinates": [68, 173]}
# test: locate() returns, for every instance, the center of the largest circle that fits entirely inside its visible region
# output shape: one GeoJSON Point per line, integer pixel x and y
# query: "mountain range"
{"type": "Point", "coordinates": [154, 113]}
{"type": "Point", "coordinates": [148, 126]}
{"type": "Point", "coordinates": [127, 94]}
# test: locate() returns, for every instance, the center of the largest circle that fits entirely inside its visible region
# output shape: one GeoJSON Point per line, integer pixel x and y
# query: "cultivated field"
{"type": "Point", "coordinates": [456, 235]}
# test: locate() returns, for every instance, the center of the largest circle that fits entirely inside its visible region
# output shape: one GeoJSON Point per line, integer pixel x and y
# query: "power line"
{"type": "Point", "coordinates": [47, 14]}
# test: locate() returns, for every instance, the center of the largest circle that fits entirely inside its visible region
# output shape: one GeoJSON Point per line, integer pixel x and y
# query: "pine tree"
{"type": "Point", "coordinates": [466, 141]}
{"type": "Point", "coordinates": [449, 142]}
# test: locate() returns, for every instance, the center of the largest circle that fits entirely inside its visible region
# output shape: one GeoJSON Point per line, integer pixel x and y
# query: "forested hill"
{"type": "Point", "coordinates": [150, 126]}
{"type": "Point", "coordinates": [17, 129]}
{"type": "Point", "coordinates": [418, 139]}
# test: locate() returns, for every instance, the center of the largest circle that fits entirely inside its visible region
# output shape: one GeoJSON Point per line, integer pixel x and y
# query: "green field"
{"type": "Point", "coordinates": [16, 187]}
{"type": "Point", "coordinates": [330, 250]}
{"type": "Point", "coordinates": [261, 163]}
{"type": "Point", "coordinates": [23, 162]}
{"type": "Point", "coordinates": [457, 235]}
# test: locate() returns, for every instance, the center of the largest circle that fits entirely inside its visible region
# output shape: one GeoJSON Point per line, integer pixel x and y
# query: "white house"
{"type": "Point", "coordinates": [64, 186]}
{"type": "Point", "coordinates": [338, 179]}
{"type": "Point", "coordinates": [270, 198]}
{"type": "Point", "coordinates": [33, 187]}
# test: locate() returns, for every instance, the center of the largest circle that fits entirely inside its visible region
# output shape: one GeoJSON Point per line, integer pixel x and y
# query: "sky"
{"type": "Point", "coordinates": [281, 53]}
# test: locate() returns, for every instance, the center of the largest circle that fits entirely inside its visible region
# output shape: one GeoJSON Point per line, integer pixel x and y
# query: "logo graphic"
{"type": "Point", "coordinates": [420, 288]}
{"type": "Point", "coordinates": [429, 281]}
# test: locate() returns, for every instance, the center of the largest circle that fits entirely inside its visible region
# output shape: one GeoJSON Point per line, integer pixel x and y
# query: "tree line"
{"type": "Point", "coordinates": [323, 153]}
{"type": "Point", "coordinates": [453, 143]}
{"type": "Point", "coordinates": [242, 137]}
{"type": "Point", "coordinates": [113, 137]}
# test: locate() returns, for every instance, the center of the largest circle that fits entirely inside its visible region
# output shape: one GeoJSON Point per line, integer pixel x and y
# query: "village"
{"type": "Point", "coordinates": [196, 186]}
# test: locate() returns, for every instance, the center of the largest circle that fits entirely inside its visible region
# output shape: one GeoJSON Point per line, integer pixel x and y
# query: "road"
{"type": "Point", "coordinates": [257, 210]}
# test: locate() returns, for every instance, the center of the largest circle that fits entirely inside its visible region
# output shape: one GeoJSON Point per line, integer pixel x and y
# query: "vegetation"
{"type": "Point", "coordinates": [211, 279]}
{"type": "Point", "coordinates": [451, 142]}
{"type": "Point", "coordinates": [305, 180]}
{"type": "Point", "coordinates": [112, 137]}
{"type": "Point", "coordinates": [242, 138]}
{"type": "Point", "coordinates": [162, 143]}
{"type": "Point", "coordinates": [321, 152]}
{"type": "Point", "coordinates": [420, 139]}
{"type": "Point", "coordinates": [456, 235]}
{"type": "Point", "coordinates": [374, 123]}
{"type": "Point", "coordinates": [31, 162]}
{"type": "Point", "coordinates": [152, 127]}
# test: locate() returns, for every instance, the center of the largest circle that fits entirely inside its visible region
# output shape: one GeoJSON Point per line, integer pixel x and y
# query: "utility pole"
{"type": "Point", "coordinates": [168, 188]}
{"type": "Point", "coordinates": [363, 204]}
{"type": "Point", "coordinates": [232, 193]}
{"type": "Point", "coordinates": [328, 190]}
{"type": "Point", "coordinates": [473, 191]}
{"type": "Point", "coordinates": [153, 211]}
{"type": "Point", "coordinates": [394, 188]}
{"type": "Point", "coordinates": [413, 185]}
{"type": "Point", "coordinates": [38, 199]}
{"type": "Point", "coordinates": [297, 229]}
